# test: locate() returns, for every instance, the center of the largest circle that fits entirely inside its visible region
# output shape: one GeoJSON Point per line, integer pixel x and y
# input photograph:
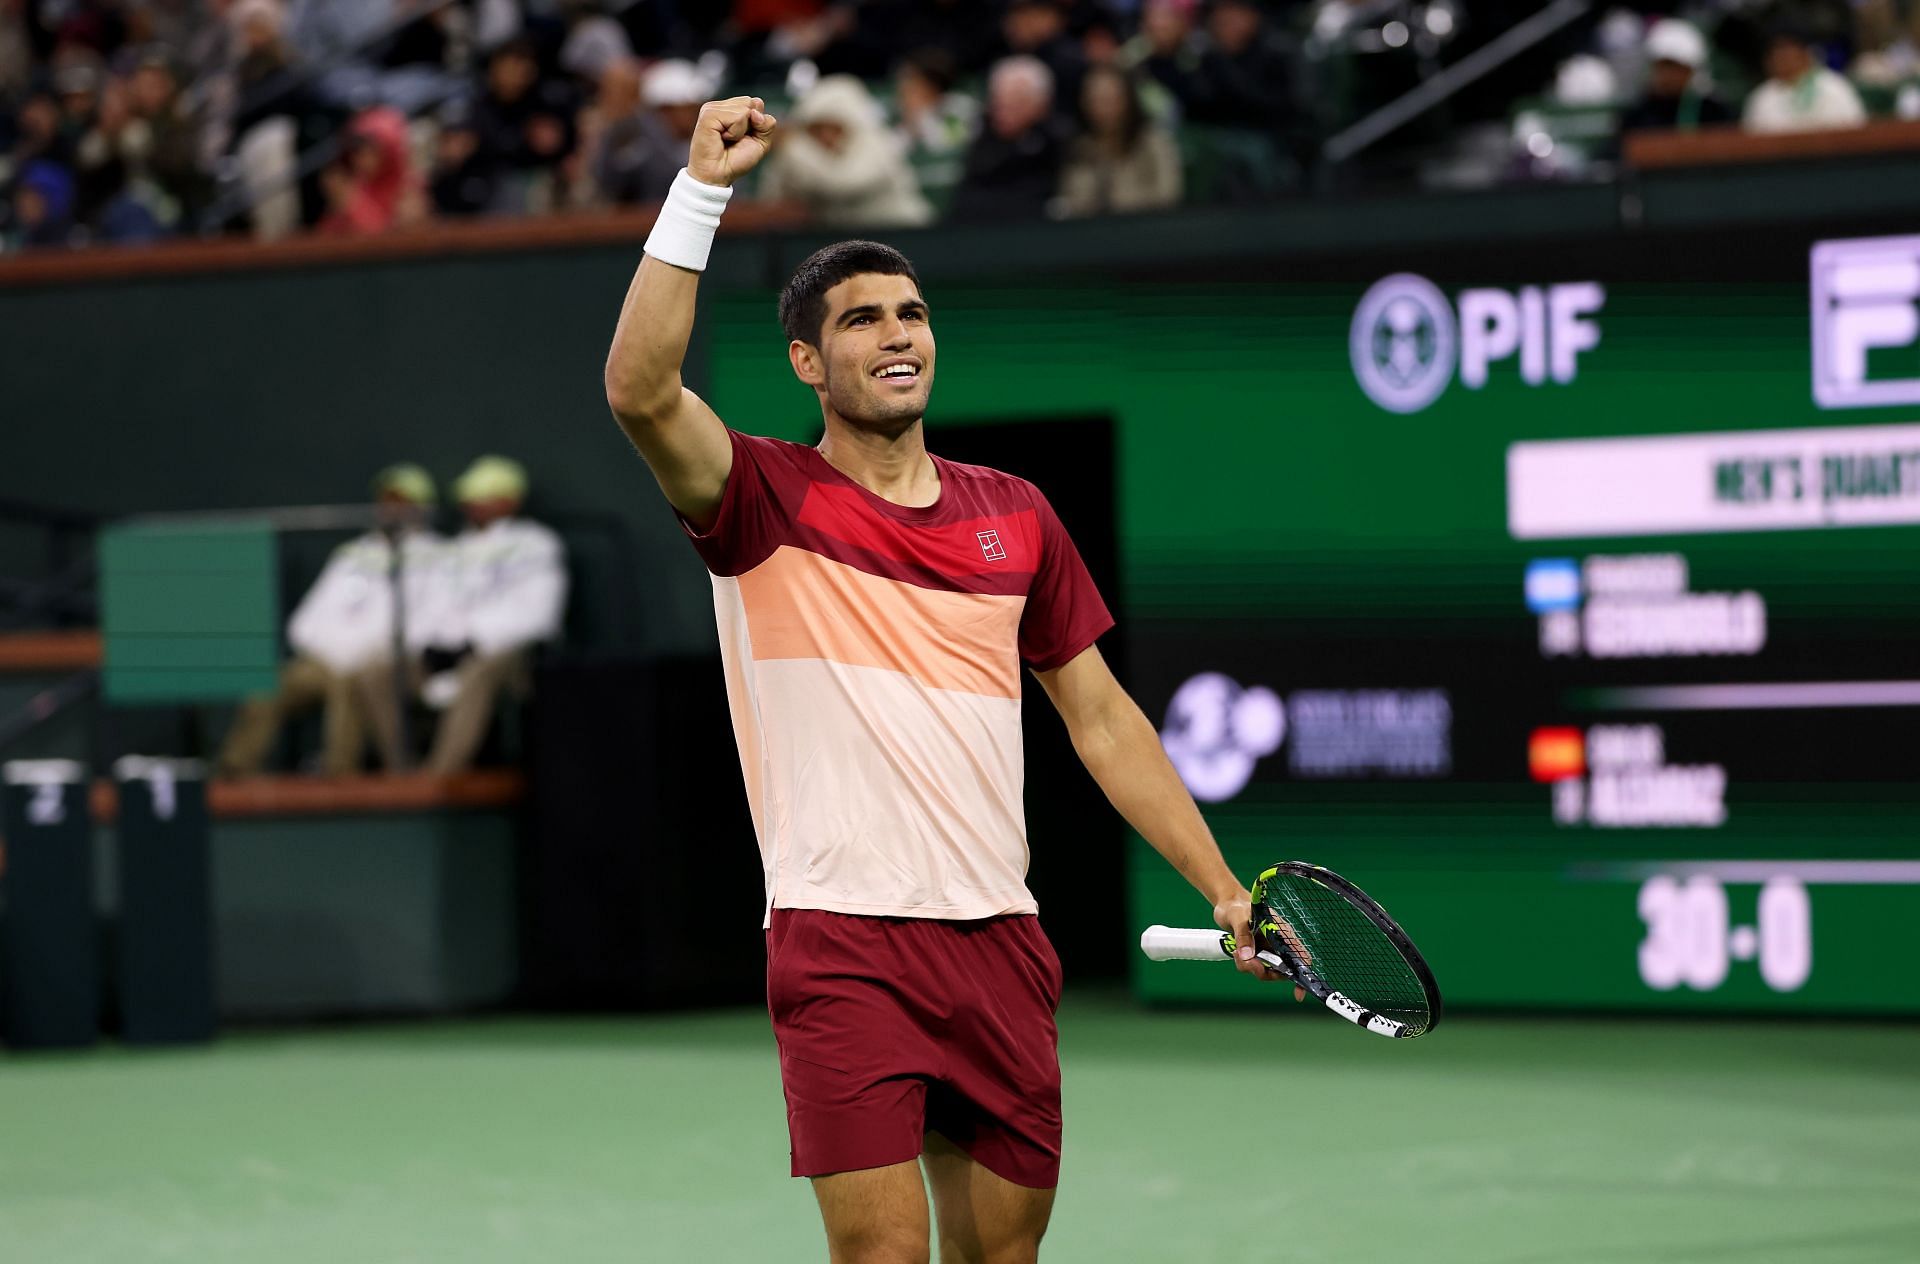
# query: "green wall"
{"type": "Point", "coordinates": [291, 387]}
{"type": "Point", "coordinates": [1276, 524]}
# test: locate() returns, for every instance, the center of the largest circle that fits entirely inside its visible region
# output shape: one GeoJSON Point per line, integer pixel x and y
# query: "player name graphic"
{"type": "Point", "coordinates": [1638, 606]}
{"type": "Point", "coordinates": [1615, 776]}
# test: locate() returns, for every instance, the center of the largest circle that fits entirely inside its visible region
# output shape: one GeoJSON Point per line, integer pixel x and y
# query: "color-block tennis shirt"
{"type": "Point", "coordinates": [873, 656]}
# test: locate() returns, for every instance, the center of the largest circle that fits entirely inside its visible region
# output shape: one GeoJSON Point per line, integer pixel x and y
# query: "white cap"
{"type": "Point", "coordinates": [1585, 80]}
{"type": "Point", "coordinates": [675, 82]}
{"type": "Point", "coordinates": [1674, 40]}
{"type": "Point", "coordinates": [492, 478]}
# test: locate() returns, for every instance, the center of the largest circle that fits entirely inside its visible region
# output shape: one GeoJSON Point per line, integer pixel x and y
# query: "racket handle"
{"type": "Point", "coordinates": [1168, 943]}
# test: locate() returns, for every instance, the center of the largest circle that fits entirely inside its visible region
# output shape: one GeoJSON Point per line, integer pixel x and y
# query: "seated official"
{"type": "Point", "coordinates": [345, 623]}
{"type": "Point", "coordinates": [504, 591]}
{"type": "Point", "coordinates": [1678, 95]}
{"type": "Point", "coordinates": [1801, 94]}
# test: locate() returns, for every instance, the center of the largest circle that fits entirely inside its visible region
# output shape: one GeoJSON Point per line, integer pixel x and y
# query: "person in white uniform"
{"type": "Point", "coordinates": [344, 624]}
{"type": "Point", "coordinates": [1800, 94]}
{"type": "Point", "coordinates": [505, 586]}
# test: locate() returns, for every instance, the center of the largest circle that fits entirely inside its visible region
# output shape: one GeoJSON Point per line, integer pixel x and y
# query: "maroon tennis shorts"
{"type": "Point", "coordinates": [894, 1027]}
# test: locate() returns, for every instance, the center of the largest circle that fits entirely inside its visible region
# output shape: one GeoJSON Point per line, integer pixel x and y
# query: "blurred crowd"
{"type": "Point", "coordinates": [132, 120]}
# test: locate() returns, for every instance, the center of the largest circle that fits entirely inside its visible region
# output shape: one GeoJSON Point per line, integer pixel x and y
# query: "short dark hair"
{"type": "Point", "coordinates": [519, 46]}
{"type": "Point", "coordinates": [1792, 29]}
{"type": "Point", "coordinates": [936, 65]}
{"type": "Point", "coordinates": [803, 304]}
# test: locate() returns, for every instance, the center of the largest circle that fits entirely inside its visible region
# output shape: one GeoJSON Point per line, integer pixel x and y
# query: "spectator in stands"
{"type": "Point", "coordinates": [16, 52]}
{"type": "Point", "coordinates": [507, 591]}
{"type": "Point", "coordinates": [78, 83]}
{"type": "Point", "coordinates": [936, 122]}
{"type": "Point", "coordinates": [616, 96]}
{"type": "Point", "coordinates": [1245, 71]}
{"type": "Point", "coordinates": [1241, 96]}
{"type": "Point", "coordinates": [1800, 94]}
{"type": "Point", "coordinates": [372, 189]}
{"type": "Point", "coordinates": [41, 214]}
{"type": "Point", "coordinates": [264, 74]}
{"type": "Point", "coordinates": [1886, 41]}
{"type": "Point", "coordinates": [842, 163]}
{"type": "Point", "coordinates": [1013, 166]}
{"type": "Point", "coordinates": [1038, 29]}
{"type": "Point", "coordinates": [344, 624]}
{"type": "Point", "coordinates": [175, 140]}
{"type": "Point", "coordinates": [675, 90]}
{"type": "Point", "coordinates": [594, 42]}
{"type": "Point", "coordinates": [1100, 40]}
{"type": "Point", "coordinates": [1122, 160]}
{"type": "Point", "coordinates": [272, 108]}
{"type": "Point", "coordinates": [462, 183]}
{"type": "Point", "coordinates": [111, 154]}
{"type": "Point", "coordinates": [1167, 51]}
{"type": "Point", "coordinates": [525, 125]}
{"type": "Point", "coordinates": [117, 197]}
{"type": "Point", "coordinates": [37, 134]}
{"type": "Point", "coordinates": [629, 144]}
{"type": "Point", "coordinates": [1677, 95]}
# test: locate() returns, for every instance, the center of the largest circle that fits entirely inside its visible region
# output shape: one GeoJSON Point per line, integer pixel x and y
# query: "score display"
{"type": "Point", "coordinates": [1555, 597]}
{"type": "Point", "coordinates": [1690, 939]}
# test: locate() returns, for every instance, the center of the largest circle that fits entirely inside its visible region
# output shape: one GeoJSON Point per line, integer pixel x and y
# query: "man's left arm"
{"type": "Point", "coordinates": [1122, 750]}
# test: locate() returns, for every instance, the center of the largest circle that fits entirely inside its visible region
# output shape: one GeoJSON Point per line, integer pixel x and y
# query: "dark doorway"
{"type": "Point", "coordinates": [1077, 840]}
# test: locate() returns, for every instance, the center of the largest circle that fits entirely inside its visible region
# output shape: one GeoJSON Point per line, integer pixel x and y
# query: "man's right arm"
{"type": "Point", "coordinates": [683, 442]}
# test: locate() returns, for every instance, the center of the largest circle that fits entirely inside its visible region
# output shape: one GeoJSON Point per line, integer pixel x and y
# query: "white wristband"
{"type": "Point", "coordinates": [683, 235]}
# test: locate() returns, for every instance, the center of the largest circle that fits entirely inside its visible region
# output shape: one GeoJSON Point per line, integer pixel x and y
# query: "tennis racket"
{"type": "Point", "coordinates": [1331, 938]}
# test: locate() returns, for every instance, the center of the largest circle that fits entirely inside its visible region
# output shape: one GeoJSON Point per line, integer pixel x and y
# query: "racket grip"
{"type": "Point", "coordinates": [1169, 943]}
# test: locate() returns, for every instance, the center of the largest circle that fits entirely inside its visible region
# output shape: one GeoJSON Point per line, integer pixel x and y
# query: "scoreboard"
{"type": "Point", "coordinates": [1568, 600]}
{"type": "Point", "coordinates": [1563, 592]}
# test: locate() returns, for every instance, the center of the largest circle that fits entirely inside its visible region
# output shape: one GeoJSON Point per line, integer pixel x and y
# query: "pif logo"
{"type": "Point", "coordinates": [1406, 340]}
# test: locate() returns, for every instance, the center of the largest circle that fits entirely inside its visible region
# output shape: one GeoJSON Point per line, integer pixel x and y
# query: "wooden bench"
{"type": "Point", "coordinates": [49, 652]}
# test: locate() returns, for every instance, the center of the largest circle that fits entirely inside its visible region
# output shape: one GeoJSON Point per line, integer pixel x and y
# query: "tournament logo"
{"type": "Point", "coordinates": [1866, 327]}
{"type": "Point", "coordinates": [1217, 731]}
{"type": "Point", "coordinates": [1404, 343]}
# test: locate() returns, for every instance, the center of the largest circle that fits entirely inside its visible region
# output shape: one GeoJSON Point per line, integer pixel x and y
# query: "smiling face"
{"type": "Point", "coordinates": [873, 363]}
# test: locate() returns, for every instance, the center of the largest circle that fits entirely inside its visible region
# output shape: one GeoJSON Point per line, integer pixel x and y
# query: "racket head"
{"type": "Point", "coordinates": [1342, 941]}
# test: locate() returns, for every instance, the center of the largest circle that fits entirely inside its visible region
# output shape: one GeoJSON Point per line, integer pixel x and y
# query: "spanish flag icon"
{"type": "Point", "coordinates": [1554, 754]}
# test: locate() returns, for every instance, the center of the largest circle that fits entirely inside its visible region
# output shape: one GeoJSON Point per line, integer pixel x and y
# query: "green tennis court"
{"type": "Point", "coordinates": [1190, 1136]}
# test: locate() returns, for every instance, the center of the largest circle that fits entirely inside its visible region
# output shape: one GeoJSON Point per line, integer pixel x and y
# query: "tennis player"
{"type": "Point", "coordinates": [874, 605]}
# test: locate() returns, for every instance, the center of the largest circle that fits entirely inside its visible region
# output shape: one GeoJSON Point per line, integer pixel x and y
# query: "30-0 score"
{"type": "Point", "coordinates": [1690, 940]}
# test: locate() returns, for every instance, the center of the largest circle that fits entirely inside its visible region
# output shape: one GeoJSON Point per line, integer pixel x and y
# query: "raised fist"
{"type": "Point", "coordinates": [730, 139]}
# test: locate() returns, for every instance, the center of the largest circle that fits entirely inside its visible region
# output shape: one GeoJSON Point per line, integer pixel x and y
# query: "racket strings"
{"type": "Point", "coordinates": [1349, 952]}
